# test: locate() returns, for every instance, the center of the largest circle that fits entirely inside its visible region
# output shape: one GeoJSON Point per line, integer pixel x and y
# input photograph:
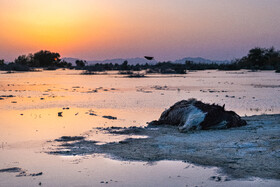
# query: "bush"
{"type": "Point", "coordinates": [2, 62]}
{"type": "Point", "coordinates": [14, 67]}
{"type": "Point", "coordinates": [42, 58]}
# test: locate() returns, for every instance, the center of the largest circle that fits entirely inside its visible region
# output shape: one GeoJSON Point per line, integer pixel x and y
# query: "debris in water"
{"type": "Point", "coordinates": [69, 138]}
{"type": "Point", "coordinates": [11, 170]}
{"type": "Point", "coordinates": [110, 117]}
{"type": "Point", "coordinates": [22, 172]}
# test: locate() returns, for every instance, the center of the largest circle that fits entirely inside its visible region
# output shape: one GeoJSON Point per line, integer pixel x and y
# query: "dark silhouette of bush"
{"type": "Point", "coordinates": [257, 59]}
{"type": "Point", "coordinates": [23, 60]}
{"type": "Point", "coordinates": [124, 65]}
{"type": "Point", "coordinates": [168, 68]}
{"type": "Point", "coordinates": [45, 59]}
{"type": "Point", "coordinates": [277, 69]}
{"type": "Point", "coordinates": [42, 58]}
{"type": "Point", "coordinates": [14, 67]}
{"type": "Point", "coordinates": [2, 62]}
{"type": "Point", "coordinates": [80, 63]}
{"type": "Point", "coordinates": [63, 64]}
{"type": "Point", "coordinates": [260, 59]}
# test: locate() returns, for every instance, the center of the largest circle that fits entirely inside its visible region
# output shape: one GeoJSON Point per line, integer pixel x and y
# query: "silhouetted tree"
{"type": "Point", "coordinates": [40, 59]}
{"type": "Point", "coordinates": [257, 56]}
{"type": "Point", "coordinates": [64, 64]}
{"type": "Point", "coordinates": [260, 58]}
{"type": "Point", "coordinates": [46, 58]}
{"type": "Point", "coordinates": [124, 65]}
{"type": "Point", "coordinates": [22, 60]}
{"type": "Point", "coordinates": [80, 63]}
{"type": "Point", "coordinates": [2, 62]}
{"type": "Point", "coordinates": [273, 58]}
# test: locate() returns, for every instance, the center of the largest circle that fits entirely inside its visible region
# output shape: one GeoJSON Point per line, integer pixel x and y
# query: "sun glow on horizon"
{"type": "Point", "coordinates": [59, 25]}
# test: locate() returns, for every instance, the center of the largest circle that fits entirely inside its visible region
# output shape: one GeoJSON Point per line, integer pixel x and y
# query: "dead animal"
{"type": "Point", "coordinates": [195, 115]}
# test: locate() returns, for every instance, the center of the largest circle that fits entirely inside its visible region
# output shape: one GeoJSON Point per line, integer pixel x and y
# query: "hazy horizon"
{"type": "Point", "coordinates": [167, 30]}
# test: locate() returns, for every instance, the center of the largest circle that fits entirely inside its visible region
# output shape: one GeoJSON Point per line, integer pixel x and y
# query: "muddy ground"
{"type": "Point", "coordinates": [249, 151]}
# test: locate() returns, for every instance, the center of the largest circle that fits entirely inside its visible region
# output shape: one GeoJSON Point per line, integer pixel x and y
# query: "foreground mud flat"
{"type": "Point", "coordinates": [249, 151]}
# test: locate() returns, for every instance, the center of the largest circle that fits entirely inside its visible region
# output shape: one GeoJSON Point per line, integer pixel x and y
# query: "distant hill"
{"type": "Point", "coordinates": [134, 61]}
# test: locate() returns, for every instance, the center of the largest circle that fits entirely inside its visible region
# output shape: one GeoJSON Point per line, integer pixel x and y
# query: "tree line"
{"type": "Point", "coordinates": [256, 59]}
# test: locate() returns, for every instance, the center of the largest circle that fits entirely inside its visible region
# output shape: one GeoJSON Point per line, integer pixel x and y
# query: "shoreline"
{"type": "Point", "coordinates": [244, 152]}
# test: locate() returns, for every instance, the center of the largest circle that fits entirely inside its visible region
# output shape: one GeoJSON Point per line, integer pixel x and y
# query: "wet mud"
{"type": "Point", "coordinates": [243, 152]}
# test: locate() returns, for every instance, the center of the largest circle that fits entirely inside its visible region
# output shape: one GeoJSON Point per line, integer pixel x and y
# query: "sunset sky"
{"type": "Point", "coordinates": [168, 30]}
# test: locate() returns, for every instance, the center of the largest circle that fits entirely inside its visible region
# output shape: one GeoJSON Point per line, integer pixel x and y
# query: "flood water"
{"type": "Point", "coordinates": [29, 121]}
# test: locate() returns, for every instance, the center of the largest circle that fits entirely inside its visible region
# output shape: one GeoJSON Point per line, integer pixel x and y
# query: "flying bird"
{"type": "Point", "coordinates": [149, 57]}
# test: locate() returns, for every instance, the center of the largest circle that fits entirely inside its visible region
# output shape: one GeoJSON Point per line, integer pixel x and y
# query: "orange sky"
{"type": "Point", "coordinates": [102, 29]}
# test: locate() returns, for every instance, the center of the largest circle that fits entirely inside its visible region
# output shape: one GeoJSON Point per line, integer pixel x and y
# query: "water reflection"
{"type": "Point", "coordinates": [31, 103]}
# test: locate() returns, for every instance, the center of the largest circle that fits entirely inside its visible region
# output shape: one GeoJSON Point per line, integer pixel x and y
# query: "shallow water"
{"type": "Point", "coordinates": [30, 119]}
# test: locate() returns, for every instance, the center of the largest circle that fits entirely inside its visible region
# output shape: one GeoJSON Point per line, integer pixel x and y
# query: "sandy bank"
{"type": "Point", "coordinates": [249, 151]}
